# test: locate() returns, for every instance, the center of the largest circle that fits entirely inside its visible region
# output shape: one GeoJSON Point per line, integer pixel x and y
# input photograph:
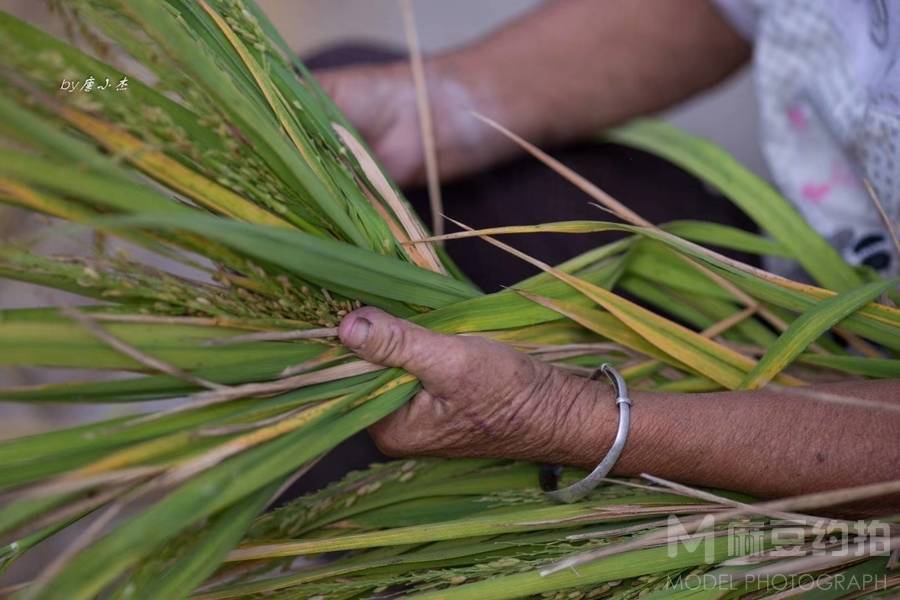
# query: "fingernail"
{"type": "Point", "coordinates": [359, 332]}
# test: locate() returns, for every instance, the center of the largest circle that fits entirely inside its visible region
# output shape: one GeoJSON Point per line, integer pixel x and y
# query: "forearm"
{"type": "Point", "coordinates": [574, 66]}
{"type": "Point", "coordinates": [768, 443]}
{"type": "Point", "coordinates": [481, 398]}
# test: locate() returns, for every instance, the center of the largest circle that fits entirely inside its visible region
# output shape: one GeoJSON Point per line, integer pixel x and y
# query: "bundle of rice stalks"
{"type": "Point", "coordinates": [220, 154]}
{"type": "Point", "coordinates": [478, 529]}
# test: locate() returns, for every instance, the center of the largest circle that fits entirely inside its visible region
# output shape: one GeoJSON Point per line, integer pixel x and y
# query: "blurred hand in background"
{"type": "Point", "coordinates": [380, 101]}
{"type": "Point", "coordinates": [556, 75]}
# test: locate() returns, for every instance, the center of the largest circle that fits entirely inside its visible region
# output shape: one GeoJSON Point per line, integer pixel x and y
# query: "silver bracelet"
{"type": "Point", "coordinates": [549, 477]}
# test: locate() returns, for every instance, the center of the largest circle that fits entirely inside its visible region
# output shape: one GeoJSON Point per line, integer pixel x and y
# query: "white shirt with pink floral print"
{"type": "Point", "coordinates": [828, 78]}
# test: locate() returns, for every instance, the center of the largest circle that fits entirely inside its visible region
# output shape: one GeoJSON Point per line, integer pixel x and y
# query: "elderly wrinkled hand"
{"type": "Point", "coordinates": [484, 399]}
{"type": "Point", "coordinates": [480, 397]}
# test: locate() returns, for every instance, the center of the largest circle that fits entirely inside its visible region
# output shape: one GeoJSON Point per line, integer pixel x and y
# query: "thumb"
{"type": "Point", "coordinates": [378, 337]}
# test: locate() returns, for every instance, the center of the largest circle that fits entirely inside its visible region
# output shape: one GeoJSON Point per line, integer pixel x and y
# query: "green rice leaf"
{"type": "Point", "coordinates": [725, 236]}
{"type": "Point", "coordinates": [808, 327]}
{"type": "Point", "coordinates": [753, 195]}
{"type": "Point", "coordinates": [331, 264]}
{"type": "Point", "coordinates": [176, 578]}
{"type": "Point", "coordinates": [886, 368]}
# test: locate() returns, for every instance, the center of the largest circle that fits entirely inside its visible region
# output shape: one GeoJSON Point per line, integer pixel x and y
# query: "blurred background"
{"type": "Point", "coordinates": [727, 115]}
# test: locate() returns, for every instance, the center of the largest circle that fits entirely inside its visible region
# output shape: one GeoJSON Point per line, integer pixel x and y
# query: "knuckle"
{"type": "Point", "coordinates": [457, 364]}
{"type": "Point", "coordinates": [472, 354]}
{"type": "Point", "coordinates": [390, 346]}
{"type": "Point", "coordinates": [390, 444]}
{"type": "Point", "coordinates": [369, 312]}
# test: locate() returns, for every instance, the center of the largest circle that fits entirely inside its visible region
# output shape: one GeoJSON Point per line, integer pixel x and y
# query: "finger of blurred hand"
{"type": "Point", "coordinates": [359, 92]}
{"type": "Point", "coordinates": [379, 101]}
